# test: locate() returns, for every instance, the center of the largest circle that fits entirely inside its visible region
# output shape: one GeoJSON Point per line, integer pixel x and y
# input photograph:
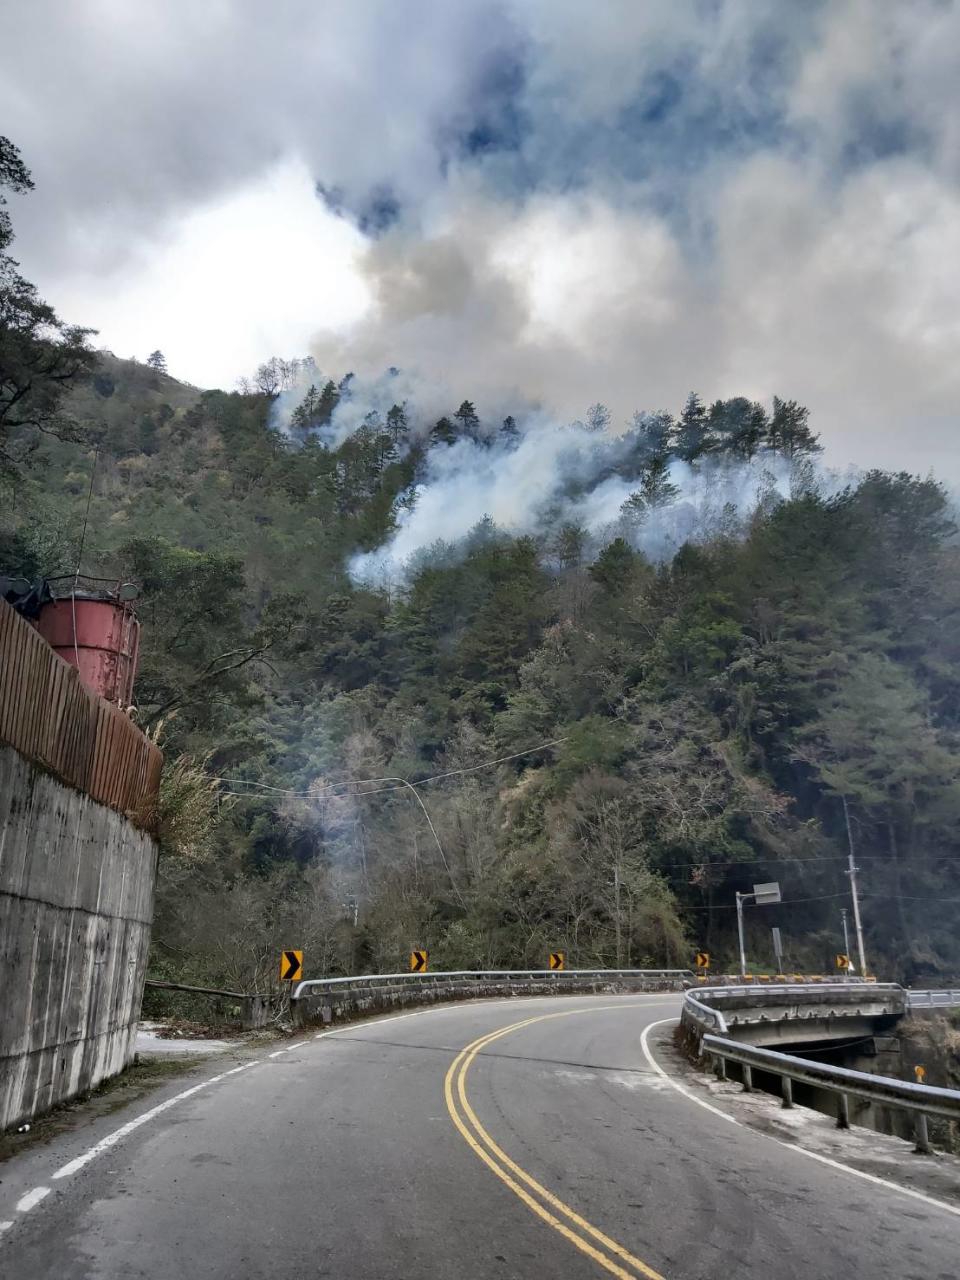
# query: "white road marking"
{"type": "Point", "coordinates": [670, 1080]}
{"type": "Point", "coordinates": [111, 1140]}
{"type": "Point", "coordinates": [789, 1146]}
{"type": "Point", "coordinates": [32, 1198]}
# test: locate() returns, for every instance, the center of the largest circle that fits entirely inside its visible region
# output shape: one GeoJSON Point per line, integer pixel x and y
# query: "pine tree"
{"type": "Point", "coordinates": [692, 432]}
{"type": "Point", "coordinates": [305, 416]}
{"type": "Point", "coordinates": [443, 432]}
{"type": "Point", "coordinates": [397, 422]}
{"type": "Point", "coordinates": [157, 360]}
{"type": "Point", "coordinates": [737, 426]}
{"type": "Point", "coordinates": [510, 432]}
{"type": "Point", "coordinates": [329, 399]}
{"type": "Point", "coordinates": [789, 432]}
{"type": "Point", "coordinates": [467, 417]}
{"type": "Point", "coordinates": [598, 418]}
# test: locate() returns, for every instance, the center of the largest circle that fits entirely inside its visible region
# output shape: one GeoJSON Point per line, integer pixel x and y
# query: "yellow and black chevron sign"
{"type": "Point", "coordinates": [558, 959]}
{"type": "Point", "coordinates": [291, 966]}
{"type": "Point", "coordinates": [703, 959]}
{"type": "Point", "coordinates": [418, 961]}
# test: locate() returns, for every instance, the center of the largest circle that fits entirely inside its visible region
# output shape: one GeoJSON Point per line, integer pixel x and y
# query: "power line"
{"type": "Point", "coordinates": [786, 902]}
{"type": "Point", "coordinates": [398, 783]}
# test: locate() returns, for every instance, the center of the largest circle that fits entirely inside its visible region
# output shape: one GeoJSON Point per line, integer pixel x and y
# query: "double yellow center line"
{"type": "Point", "coordinates": [613, 1257]}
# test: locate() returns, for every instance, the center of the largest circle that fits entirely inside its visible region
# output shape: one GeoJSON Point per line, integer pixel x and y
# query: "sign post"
{"type": "Point", "coordinates": [764, 895]}
{"type": "Point", "coordinates": [777, 948]}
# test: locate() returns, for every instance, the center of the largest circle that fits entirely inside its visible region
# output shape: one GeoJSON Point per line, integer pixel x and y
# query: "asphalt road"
{"type": "Point", "coordinates": [444, 1145]}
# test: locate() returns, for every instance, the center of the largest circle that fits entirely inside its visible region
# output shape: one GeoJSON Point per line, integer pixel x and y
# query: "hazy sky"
{"type": "Point", "coordinates": [614, 200]}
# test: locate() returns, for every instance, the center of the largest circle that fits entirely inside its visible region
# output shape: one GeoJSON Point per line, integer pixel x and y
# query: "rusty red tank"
{"type": "Point", "coordinates": [97, 632]}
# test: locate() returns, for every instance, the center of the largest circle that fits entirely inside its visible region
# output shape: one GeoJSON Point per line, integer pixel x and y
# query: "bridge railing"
{"type": "Point", "coordinates": [936, 999]}
{"type": "Point", "coordinates": [717, 1009]}
{"type": "Point", "coordinates": [920, 1099]}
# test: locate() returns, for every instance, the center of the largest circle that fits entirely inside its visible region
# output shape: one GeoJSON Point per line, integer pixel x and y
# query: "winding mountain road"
{"type": "Point", "coordinates": [531, 1138]}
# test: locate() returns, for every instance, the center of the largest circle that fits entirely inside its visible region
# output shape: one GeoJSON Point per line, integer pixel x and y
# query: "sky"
{"type": "Point", "coordinates": [547, 202]}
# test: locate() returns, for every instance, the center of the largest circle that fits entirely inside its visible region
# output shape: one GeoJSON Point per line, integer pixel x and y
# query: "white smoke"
{"type": "Point", "coordinates": [560, 475]}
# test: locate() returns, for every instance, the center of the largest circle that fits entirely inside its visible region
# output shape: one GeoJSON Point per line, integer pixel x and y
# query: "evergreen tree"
{"type": "Point", "coordinates": [157, 360]}
{"type": "Point", "coordinates": [466, 416]}
{"type": "Point", "coordinates": [510, 432]}
{"type": "Point", "coordinates": [443, 432]}
{"type": "Point", "coordinates": [598, 418]}
{"type": "Point", "coordinates": [397, 422]}
{"type": "Point", "coordinates": [737, 427]}
{"type": "Point", "coordinates": [692, 437]}
{"type": "Point", "coordinates": [615, 566]}
{"type": "Point", "coordinates": [789, 431]}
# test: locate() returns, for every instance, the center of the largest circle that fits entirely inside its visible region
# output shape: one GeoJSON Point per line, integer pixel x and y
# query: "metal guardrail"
{"type": "Point", "coordinates": [371, 981]}
{"type": "Point", "coordinates": [256, 1006]}
{"type": "Point", "coordinates": [711, 1009]}
{"type": "Point", "coordinates": [920, 1099]}
{"type": "Point", "coordinates": [936, 999]}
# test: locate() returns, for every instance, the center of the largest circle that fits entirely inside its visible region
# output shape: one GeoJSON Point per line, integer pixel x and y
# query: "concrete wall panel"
{"type": "Point", "coordinates": [76, 903]}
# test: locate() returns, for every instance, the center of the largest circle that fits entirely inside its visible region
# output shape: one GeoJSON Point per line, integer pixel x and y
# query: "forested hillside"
{"type": "Point", "coordinates": [737, 710]}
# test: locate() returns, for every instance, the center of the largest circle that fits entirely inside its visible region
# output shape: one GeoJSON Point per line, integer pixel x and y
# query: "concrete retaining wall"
{"type": "Point", "coordinates": [76, 903]}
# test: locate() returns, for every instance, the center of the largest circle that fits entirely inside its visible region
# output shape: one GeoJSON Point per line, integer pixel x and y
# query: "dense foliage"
{"type": "Point", "coordinates": [781, 686]}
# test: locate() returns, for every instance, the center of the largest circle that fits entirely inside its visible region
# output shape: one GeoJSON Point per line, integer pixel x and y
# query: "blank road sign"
{"type": "Point", "coordinates": [766, 894]}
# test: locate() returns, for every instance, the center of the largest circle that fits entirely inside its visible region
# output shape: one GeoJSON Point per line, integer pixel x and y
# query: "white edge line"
{"type": "Point", "coordinates": [31, 1199]}
{"type": "Point", "coordinates": [708, 1106]}
{"type": "Point", "coordinates": [111, 1140]}
{"type": "Point", "coordinates": [789, 1146]}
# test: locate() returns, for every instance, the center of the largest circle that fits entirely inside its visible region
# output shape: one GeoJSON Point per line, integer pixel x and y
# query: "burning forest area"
{"type": "Point", "coordinates": [501, 684]}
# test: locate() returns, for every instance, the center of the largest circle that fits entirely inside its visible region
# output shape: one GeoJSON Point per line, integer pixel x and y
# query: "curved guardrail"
{"type": "Point", "coordinates": [921, 1100]}
{"type": "Point", "coordinates": [708, 1015]}
{"type": "Point", "coordinates": [717, 1009]}
{"type": "Point", "coordinates": [325, 998]}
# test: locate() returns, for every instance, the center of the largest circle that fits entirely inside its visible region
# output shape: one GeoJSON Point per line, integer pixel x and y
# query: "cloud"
{"type": "Point", "coordinates": [543, 206]}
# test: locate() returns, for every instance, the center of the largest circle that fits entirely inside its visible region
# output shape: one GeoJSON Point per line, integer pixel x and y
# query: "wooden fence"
{"type": "Point", "coordinates": [53, 720]}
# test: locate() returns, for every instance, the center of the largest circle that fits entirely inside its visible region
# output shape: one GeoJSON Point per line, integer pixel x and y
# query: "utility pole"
{"type": "Point", "coordinates": [846, 935]}
{"type": "Point", "coordinates": [852, 873]}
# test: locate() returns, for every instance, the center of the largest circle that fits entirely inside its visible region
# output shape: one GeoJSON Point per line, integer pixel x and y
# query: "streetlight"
{"type": "Point", "coordinates": [764, 895]}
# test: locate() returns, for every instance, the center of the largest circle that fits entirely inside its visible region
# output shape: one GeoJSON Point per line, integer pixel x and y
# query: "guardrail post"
{"type": "Point", "coordinates": [843, 1111]}
{"type": "Point", "coordinates": [747, 1078]}
{"type": "Point", "coordinates": [923, 1138]}
{"type": "Point", "coordinates": [786, 1091]}
{"type": "Point", "coordinates": [720, 1067]}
